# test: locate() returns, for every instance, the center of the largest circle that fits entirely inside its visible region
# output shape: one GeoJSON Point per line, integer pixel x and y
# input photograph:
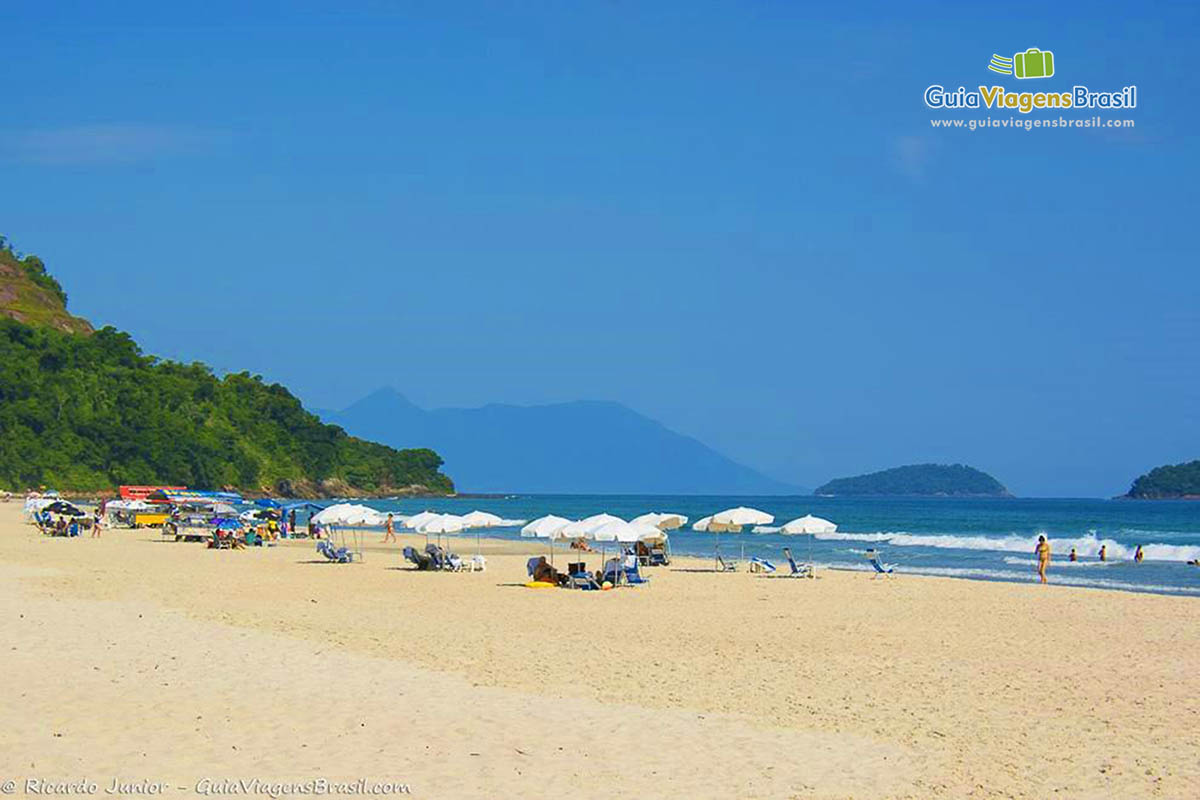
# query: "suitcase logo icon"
{"type": "Point", "coordinates": [1033, 63]}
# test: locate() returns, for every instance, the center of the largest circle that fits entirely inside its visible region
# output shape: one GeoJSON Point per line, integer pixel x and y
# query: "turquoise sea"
{"type": "Point", "coordinates": [983, 539]}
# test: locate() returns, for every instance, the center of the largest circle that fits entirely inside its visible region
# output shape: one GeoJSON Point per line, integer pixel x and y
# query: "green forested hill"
{"type": "Point", "coordinates": [1171, 481]}
{"type": "Point", "coordinates": [82, 410]}
{"type": "Point", "coordinates": [950, 480]}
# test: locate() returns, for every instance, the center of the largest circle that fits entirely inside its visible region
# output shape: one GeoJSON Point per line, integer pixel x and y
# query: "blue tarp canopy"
{"type": "Point", "coordinates": [304, 506]}
{"type": "Point", "coordinates": [266, 502]}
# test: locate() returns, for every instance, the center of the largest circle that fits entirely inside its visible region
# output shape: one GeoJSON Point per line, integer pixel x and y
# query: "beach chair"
{"type": "Point", "coordinates": [881, 570]}
{"type": "Point", "coordinates": [658, 557]}
{"type": "Point", "coordinates": [422, 561]}
{"type": "Point", "coordinates": [475, 563]}
{"type": "Point", "coordinates": [531, 565]}
{"type": "Point", "coordinates": [613, 571]}
{"type": "Point", "coordinates": [726, 566]}
{"type": "Point", "coordinates": [633, 575]}
{"type": "Point", "coordinates": [582, 579]}
{"type": "Point", "coordinates": [440, 559]}
{"type": "Point", "coordinates": [761, 565]}
{"type": "Point", "coordinates": [798, 570]}
{"type": "Point", "coordinates": [339, 555]}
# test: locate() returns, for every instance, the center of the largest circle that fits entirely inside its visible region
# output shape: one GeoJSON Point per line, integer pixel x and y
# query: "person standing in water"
{"type": "Point", "coordinates": [1073, 557]}
{"type": "Point", "coordinates": [390, 528]}
{"type": "Point", "coordinates": [1104, 552]}
{"type": "Point", "coordinates": [1138, 555]}
{"type": "Point", "coordinates": [1043, 556]}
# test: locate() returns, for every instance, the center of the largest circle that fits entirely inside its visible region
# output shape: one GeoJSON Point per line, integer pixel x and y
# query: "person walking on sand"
{"type": "Point", "coordinates": [1043, 556]}
{"type": "Point", "coordinates": [389, 531]}
{"type": "Point", "coordinates": [96, 525]}
{"type": "Point", "coordinates": [1104, 552]}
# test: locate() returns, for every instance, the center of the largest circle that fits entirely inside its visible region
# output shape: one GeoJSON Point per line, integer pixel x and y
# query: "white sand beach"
{"type": "Point", "coordinates": [132, 658]}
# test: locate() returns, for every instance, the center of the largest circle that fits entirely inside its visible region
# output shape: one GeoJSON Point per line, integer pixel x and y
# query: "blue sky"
{"type": "Point", "coordinates": [733, 217]}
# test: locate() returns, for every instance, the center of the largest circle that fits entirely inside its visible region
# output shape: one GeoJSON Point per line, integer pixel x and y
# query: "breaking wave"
{"type": "Point", "coordinates": [1086, 546]}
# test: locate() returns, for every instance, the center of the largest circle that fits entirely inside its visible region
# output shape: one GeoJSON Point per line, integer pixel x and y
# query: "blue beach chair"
{"type": "Point", "coordinates": [422, 561]}
{"type": "Point", "coordinates": [881, 569]}
{"type": "Point", "coordinates": [339, 555]}
{"type": "Point", "coordinates": [582, 579]}
{"type": "Point", "coordinates": [798, 570]}
{"type": "Point", "coordinates": [761, 565]}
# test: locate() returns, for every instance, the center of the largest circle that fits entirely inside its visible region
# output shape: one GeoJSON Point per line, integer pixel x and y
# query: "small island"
{"type": "Point", "coordinates": [1169, 482]}
{"type": "Point", "coordinates": [919, 480]}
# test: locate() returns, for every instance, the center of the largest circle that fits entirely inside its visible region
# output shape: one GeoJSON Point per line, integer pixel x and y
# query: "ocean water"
{"type": "Point", "coordinates": [982, 539]}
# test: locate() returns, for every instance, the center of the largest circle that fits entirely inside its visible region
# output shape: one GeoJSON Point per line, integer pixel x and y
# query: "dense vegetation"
{"type": "Point", "coordinates": [949, 480]}
{"type": "Point", "coordinates": [1174, 480]}
{"type": "Point", "coordinates": [90, 412]}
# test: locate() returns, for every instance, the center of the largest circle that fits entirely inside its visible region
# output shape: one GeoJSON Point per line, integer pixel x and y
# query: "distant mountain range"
{"type": "Point", "coordinates": [581, 447]}
{"type": "Point", "coordinates": [920, 480]}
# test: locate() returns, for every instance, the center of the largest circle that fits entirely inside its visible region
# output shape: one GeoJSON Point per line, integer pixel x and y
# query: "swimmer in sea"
{"type": "Point", "coordinates": [1138, 555]}
{"type": "Point", "coordinates": [1073, 557]}
{"type": "Point", "coordinates": [1043, 555]}
{"type": "Point", "coordinates": [1104, 552]}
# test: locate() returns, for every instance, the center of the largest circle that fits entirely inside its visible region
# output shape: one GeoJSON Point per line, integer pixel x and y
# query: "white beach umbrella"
{"type": "Point", "coordinates": [481, 519]}
{"type": "Point", "coordinates": [349, 515]}
{"type": "Point", "coordinates": [734, 519]}
{"type": "Point", "coordinates": [617, 530]}
{"type": "Point", "coordinates": [417, 520]}
{"type": "Point", "coordinates": [547, 527]}
{"type": "Point", "coordinates": [584, 528]}
{"type": "Point", "coordinates": [544, 527]}
{"type": "Point", "coordinates": [442, 523]}
{"type": "Point", "coordinates": [664, 522]}
{"type": "Point", "coordinates": [808, 524]}
{"type": "Point", "coordinates": [742, 515]}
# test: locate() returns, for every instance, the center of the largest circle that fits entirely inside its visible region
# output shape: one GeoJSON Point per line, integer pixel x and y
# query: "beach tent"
{"type": "Point", "coordinates": [664, 522]}
{"type": "Point", "coordinates": [810, 525]}
{"type": "Point", "coordinates": [266, 502]}
{"type": "Point", "coordinates": [733, 520]}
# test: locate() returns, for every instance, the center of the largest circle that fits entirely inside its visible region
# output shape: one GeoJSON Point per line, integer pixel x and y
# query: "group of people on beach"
{"type": "Point", "coordinates": [1042, 551]}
